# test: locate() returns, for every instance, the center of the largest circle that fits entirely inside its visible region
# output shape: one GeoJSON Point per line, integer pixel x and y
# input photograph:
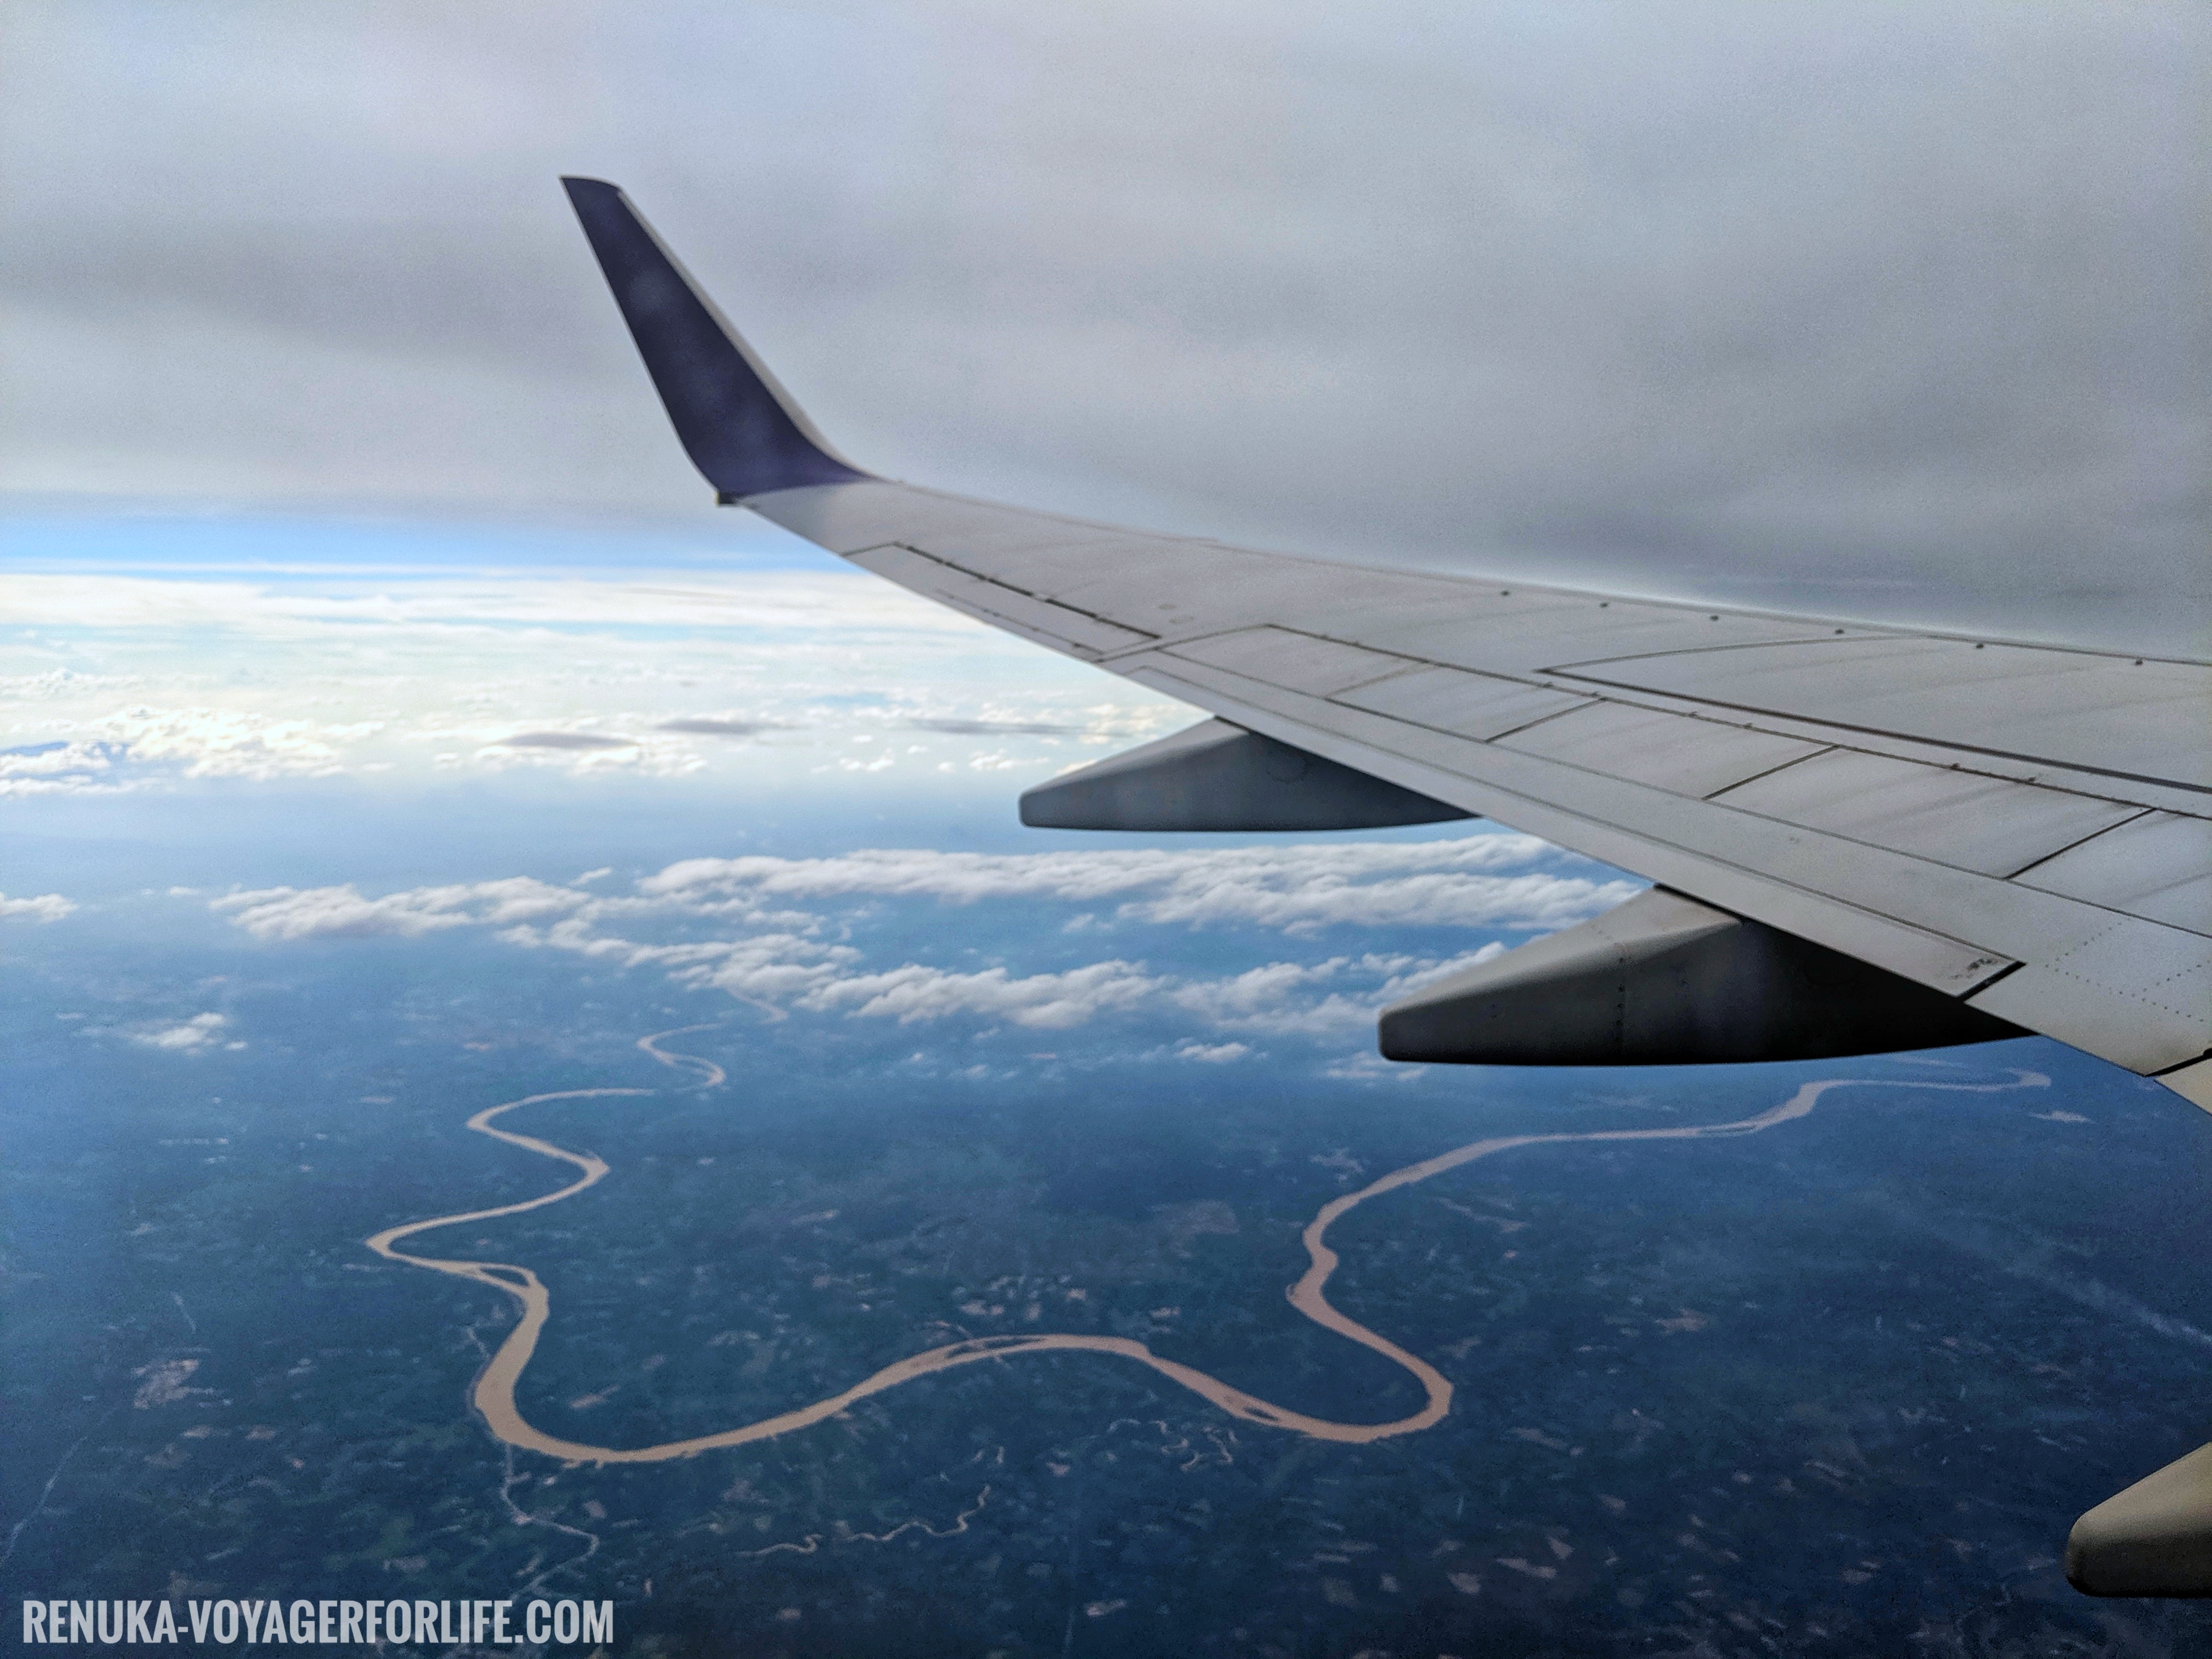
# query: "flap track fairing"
{"type": "Point", "coordinates": [1217, 777]}
{"type": "Point", "coordinates": [1665, 981]}
{"type": "Point", "coordinates": [2154, 1539]}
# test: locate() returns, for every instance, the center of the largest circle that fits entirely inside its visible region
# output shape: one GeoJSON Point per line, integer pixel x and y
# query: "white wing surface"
{"type": "Point", "coordinates": [2025, 829]}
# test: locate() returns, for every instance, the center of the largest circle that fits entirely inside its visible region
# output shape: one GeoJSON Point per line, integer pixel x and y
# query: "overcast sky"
{"type": "Point", "coordinates": [1907, 301]}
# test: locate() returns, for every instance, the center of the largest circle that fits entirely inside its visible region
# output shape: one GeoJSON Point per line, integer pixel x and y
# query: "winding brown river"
{"type": "Point", "coordinates": [496, 1385]}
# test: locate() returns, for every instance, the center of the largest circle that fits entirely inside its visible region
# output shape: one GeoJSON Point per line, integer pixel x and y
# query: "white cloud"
{"type": "Point", "coordinates": [231, 742]}
{"type": "Point", "coordinates": [292, 912]}
{"type": "Point", "coordinates": [43, 906]}
{"type": "Point", "coordinates": [781, 959]}
{"type": "Point", "coordinates": [200, 1031]}
{"type": "Point", "coordinates": [1341, 993]}
{"type": "Point", "coordinates": [363, 657]}
{"type": "Point", "coordinates": [1367, 1066]}
{"type": "Point", "coordinates": [55, 683]}
{"type": "Point", "coordinates": [189, 742]}
{"type": "Point", "coordinates": [56, 769]}
{"type": "Point", "coordinates": [1043, 1001]}
{"type": "Point", "coordinates": [1211, 1053]}
{"type": "Point", "coordinates": [1297, 888]}
{"type": "Point", "coordinates": [774, 969]}
{"type": "Point", "coordinates": [395, 699]}
{"type": "Point", "coordinates": [1258, 995]}
{"type": "Point", "coordinates": [766, 969]}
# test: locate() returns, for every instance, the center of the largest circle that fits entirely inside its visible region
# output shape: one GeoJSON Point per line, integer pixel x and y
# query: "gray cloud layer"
{"type": "Point", "coordinates": [1888, 309]}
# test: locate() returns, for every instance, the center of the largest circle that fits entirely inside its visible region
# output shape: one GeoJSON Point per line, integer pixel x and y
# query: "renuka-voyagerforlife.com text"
{"type": "Point", "coordinates": [304, 1623]}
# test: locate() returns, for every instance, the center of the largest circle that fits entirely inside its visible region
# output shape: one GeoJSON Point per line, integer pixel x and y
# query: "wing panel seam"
{"type": "Point", "coordinates": [1907, 737]}
{"type": "Point", "coordinates": [1702, 855]}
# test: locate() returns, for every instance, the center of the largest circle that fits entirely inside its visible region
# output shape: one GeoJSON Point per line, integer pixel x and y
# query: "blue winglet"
{"type": "Point", "coordinates": [737, 425]}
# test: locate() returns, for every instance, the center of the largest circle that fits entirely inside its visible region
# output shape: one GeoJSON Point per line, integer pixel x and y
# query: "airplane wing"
{"type": "Point", "coordinates": [1955, 837]}
{"type": "Point", "coordinates": [1863, 838]}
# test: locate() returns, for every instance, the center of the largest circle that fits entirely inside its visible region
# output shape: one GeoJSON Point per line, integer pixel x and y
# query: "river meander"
{"type": "Point", "coordinates": [494, 1395]}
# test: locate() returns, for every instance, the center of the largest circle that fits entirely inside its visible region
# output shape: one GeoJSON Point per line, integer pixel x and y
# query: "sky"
{"type": "Point", "coordinates": [1884, 310]}
{"type": "Point", "coordinates": [160, 653]}
{"type": "Point", "coordinates": [721, 776]}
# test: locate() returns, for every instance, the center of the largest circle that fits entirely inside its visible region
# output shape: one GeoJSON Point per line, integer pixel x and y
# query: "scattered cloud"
{"type": "Point", "coordinates": [1364, 1066]}
{"type": "Point", "coordinates": [234, 743]}
{"type": "Point", "coordinates": [385, 664]}
{"type": "Point", "coordinates": [1479, 881]}
{"type": "Point", "coordinates": [57, 769]}
{"type": "Point", "coordinates": [200, 1031]}
{"type": "Point", "coordinates": [43, 906]}
{"type": "Point", "coordinates": [768, 952]}
{"type": "Point", "coordinates": [1211, 1053]}
{"type": "Point", "coordinates": [182, 741]}
{"type": "Point", "coordinates": [291, 913]}
{"type": "Point", "coordinates": [1042, 1002]}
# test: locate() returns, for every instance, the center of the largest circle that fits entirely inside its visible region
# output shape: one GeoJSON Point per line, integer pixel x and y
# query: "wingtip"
{"type": "Point", "coordinates": [740, 428]}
